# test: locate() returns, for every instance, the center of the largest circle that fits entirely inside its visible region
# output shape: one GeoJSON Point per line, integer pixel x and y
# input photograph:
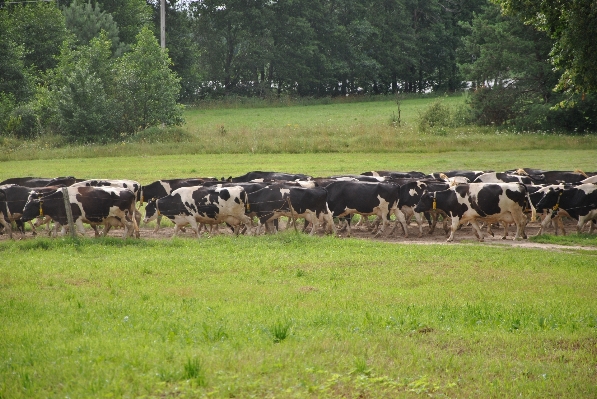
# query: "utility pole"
{"type": "Point", "coordinates": [163, 23]}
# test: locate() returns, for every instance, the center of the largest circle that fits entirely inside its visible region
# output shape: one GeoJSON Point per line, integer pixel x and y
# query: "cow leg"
{"type": "Point", "coordinates": [80, 227]}
{"type": "Point", "coordinates": [6, 225]}
{"type": "Point", "coordinates": [477, 229]}
{"type": "Point", "coordinates": [402, 220]}
{"type": "Point", "coordinates": [455, 224]}
{"type": "Point", "coordinates": [157, 223]}
{"type": "Point", "coordinates": [419, 220]}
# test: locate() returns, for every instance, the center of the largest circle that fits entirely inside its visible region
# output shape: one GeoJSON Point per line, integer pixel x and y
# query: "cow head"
{"type": "Point", "coordinates": [33, 209]}
{"type": "Point", "coordinates": [151, 210]}
{"type": "Point", "coordinates": [425, 202]}
{"type": "Point", "coordinates": [551, 199]}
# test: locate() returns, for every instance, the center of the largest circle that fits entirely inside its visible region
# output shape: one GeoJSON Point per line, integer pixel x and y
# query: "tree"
{"type": "Point", "coordinates": [15, 79]}
{"type": "Point", "coordinates": [508, 63]}
{"type": "Point", "coordinates": [147, 89]}
{"type": "Point", "coordinates": [129, 15]}
{"type": "Point", "coordinates": [86, 22]}
{"type": "Point", "coordinates": [41, 30]}
{"type": "Point", "coordinates": [571, 24]}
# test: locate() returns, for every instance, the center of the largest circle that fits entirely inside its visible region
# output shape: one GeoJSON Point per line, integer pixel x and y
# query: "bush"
{"type": "Point", "coordinates": [439, 116]}
{"type": "Point", "coordinates": [493, 106]}
{"type": "Point", "coordinates": [23, 122]}
{"type": "Point", "coordinates": [7, 105]}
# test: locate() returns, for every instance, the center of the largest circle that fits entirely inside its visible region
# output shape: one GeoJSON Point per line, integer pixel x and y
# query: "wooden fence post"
{"type": "Point", "coordinates": [69, 212]}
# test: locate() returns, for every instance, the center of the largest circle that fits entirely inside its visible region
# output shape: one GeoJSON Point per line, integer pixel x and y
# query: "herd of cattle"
{"type": "Point", "coordinates": [512, 197]}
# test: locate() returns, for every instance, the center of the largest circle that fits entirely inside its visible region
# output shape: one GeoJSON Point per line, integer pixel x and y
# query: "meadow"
{"type": "Point", "coordinates": [293, 316]}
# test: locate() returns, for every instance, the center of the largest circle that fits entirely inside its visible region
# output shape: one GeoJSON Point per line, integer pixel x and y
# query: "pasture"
{"type": "Point", "coordinates": [293, 316]}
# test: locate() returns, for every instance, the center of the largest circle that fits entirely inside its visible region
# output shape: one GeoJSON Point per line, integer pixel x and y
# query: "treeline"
{"type": "Point", "coordinates": [94, 71]}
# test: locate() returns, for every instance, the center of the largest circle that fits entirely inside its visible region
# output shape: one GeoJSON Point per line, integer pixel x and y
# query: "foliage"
{"type": "Point", "coordinates": [40, 28]}
{"type": "Point", "coordinates": [572, 26]}
{"type": "Point", "coordinates": [86, 21]}
{"type": "Point", "coordinates": [15, 79]}
{"type": "Point", "coordinates": [23, 122]}
{"type": "Point", "coordinates": [147, 88]}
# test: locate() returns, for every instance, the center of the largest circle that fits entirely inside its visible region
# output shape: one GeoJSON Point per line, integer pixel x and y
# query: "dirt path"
{"type": "Point", "coordinates": [463, 236]}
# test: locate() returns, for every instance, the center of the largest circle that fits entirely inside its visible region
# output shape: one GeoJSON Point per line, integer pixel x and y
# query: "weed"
{"type": "Point", "coordinates": [193, 370]}
{"type": "Point", "coordinates": [280, 331]}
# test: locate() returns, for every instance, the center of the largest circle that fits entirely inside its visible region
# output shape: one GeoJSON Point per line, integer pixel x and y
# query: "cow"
{"type": "Point", "coordinates": [41, 181]}
{"type": "Point", "coordinates": [490, 202]}
{"type": "Point", "coordinates": [4, 220]}
{"type": "Point", "coordinates": [209, 205]}
{"type": "Point", "coordinates": [592, 179]}
{"type": "Point", "coordinates": [471, 175]}
{"type": "Point", "coordinates": [497, 177]}
{"type": "Point", "coordinates": [16, 199]}
{"type": "Point", "coordinates": [346, 198]}
{"type": "Point", "coordinates": [257, 175]}
{"type": "Point", "coordinates": [553, 176]}
{"type": "Point", "coordinates": [162, 188]}
{"type": "Point", "coordinates": [410, 194]}
{"type": "Point", "coordinates": [130, 185]}
{"type": "Point", "coordinates": [395, 175]}
{"type": "Point", "coordinates": [580, 202]}
{"type": "Point", "coordinates": [92, 205]}
{"type": "Point", "coordinates": [277, 200]}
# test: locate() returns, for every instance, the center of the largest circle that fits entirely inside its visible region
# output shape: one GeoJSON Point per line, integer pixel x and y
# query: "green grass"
{"type": "Point", "coordinates": [294, 316]}
{"type": "Point", "coordinates": [337, 127]}
{"type": "Point", "coordinates": [146, 169]}
{"type": "Point", "coordinates": [571, 239]}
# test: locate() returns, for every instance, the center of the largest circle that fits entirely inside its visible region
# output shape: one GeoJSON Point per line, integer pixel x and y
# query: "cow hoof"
{"type": "Point", "coordinates": [504, 238]}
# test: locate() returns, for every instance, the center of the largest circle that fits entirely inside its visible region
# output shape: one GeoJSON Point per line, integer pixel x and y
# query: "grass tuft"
{"type": "Point", "coordinates": [280, 331]}
{"type": "Point", "coordinates": [193, 370]}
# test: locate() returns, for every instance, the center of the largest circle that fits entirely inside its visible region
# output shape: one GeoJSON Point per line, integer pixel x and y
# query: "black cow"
{"type": "Point", "coordinates": [553, 176]}
{"type": "Point", "coordinates": [257, 175]}
{"type": "Point", "coordinates": [4, 220]}
{"type": "Point", "coordinates": [41, 181]}
{"type": "Point", "coordinates": [346, 198]}
{"type": "Point", "coordinates": [92, 205]}
{"type": "Point", "coordinates": [579, 202]}
{"type": "Point", "coordinates": [16, 198]}
{"type": "Point", "coordinates": [208, 205]}
{"type": "Point", "coordinates": [480, 201]}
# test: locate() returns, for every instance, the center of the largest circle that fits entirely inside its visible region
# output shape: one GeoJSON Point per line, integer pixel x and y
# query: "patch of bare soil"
{"type": "Point", "coordinates": [463, 236]}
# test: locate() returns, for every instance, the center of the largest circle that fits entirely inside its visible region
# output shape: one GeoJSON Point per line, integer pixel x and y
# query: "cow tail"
{"type": "Point", "coordinates": [533, 211]}
{"type": "Point", "coordinates": [132, 211]}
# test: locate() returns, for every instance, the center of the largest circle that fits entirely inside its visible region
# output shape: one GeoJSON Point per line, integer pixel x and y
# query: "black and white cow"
{"type": "Point", "coordinates": [272, 202]}
{"type": "Point", "coordinates": [498, 177]}
{"type": "Point", "coordinates": [255, 176]}
{"type": "Point", "coordinates": [553, 176]}
{"type": "Point", "coordinates": [471, 175]}
{"type": "Point", "coordinates": [410, 194]}
{"type": "Point", "coordinates": [93, 205]}
{"type": "Point", "coordinates": [346, 198]}
{"type": "Point", "coordinates": [162, 188]}
{"type": "Point", "coordinates": [16, 199]}
{"type": "Point", "coordinates": [490, 202]}
{"type": "Point", "coordinates": [208, 205]}
{"type": "Point", "coordinates": [395, 175]}
{"type": "Point", "coordinates": [579, 202]}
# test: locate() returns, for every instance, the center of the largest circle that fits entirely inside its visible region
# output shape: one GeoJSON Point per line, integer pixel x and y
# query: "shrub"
{"type": "Point", "coordinates": [23, 122]}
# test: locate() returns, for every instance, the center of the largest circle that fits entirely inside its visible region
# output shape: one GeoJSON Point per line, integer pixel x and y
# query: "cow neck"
{"type": "Point", "coordinates": [557, 205]}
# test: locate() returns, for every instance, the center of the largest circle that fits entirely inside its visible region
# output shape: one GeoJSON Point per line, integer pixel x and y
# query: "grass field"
{"type": "Point", "coordinates": [294, 316]}
{"type": "Point", "coordinates": [337, 127]}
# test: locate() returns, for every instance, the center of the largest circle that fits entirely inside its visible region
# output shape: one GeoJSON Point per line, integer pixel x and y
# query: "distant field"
{"type": "Point", "coordinates": [337, 127]}
{"type": "Point", "coordinates": [296, 317]}
{"type": "Point", "coordinates": [146, 169]}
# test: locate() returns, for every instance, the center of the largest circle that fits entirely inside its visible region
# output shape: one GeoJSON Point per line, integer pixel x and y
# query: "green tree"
{"type": "Point", "coordinates": [15, 79]}
{"type": "Point", "coordinates": [572, 25]}
{"type": "Point", "coordinates": [86, 21]}
{"type": "Point", "coordinates": [40, 29]}
{"type": "Point", "coordinates": [129, 15]}
{"type": "Point", "coordinates": [147, 89]}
